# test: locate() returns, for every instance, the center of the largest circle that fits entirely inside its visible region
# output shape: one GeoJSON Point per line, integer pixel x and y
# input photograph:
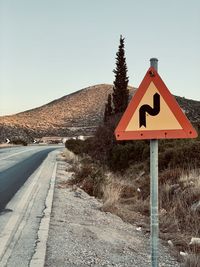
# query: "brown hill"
{"type": "Point", "coordinates": [78, 113]}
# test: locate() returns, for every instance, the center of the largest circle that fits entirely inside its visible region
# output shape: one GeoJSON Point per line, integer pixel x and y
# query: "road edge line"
{"type": "Point", "coordinates": [38, 258]}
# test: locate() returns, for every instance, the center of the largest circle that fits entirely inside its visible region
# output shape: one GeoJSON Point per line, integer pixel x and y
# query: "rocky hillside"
{"type": "Point", "coordinates": [78, 113]}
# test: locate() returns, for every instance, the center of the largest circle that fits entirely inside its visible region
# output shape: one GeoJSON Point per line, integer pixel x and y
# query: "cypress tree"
{"type": "Point", "coordinates": [108, 108]}
{"type": "Point", "coordinates": [120, 90]}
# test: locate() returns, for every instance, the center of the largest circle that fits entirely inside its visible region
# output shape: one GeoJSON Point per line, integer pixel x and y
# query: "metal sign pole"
{"type": "Point", "coordinates": [154, 191]}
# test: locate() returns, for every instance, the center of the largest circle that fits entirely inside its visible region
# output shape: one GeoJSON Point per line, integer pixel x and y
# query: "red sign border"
{"type": "Point", "coordinates": [152, 76]}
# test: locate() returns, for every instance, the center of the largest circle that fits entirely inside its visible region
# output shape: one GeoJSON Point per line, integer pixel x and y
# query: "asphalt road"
{"type": "Point", "coordinates": [21, 163]}
{"type": "Point", "coordinates": [26, 216]}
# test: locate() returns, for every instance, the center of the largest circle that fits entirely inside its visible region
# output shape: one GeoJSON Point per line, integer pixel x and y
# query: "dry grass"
{"type": "Point", "coordinates": [178, 192]}
{"type": "Point", "coordinates": [177, 199]}
{"type": "Point", "coordinates": [128, 197]}
{"type": "Point", "coordinates": [112, 191]}
{"type": "Point", "coordinates": [192, 261]}
{"type": "Point", "coordinates": [181, 221]}
{"type": "Point", "coordinates": [190, 178]}
{"type": "Point", "coordinates": [87, 175]}
{"type": "Point", "coordinates": [69, 156]}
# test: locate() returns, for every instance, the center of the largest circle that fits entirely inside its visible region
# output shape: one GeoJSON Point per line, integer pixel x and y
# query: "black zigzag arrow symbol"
{"type": "Point", "coordinates": [148, 109]}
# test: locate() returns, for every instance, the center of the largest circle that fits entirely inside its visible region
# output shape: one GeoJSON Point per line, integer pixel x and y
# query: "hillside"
{"type": "Point", "coordinates": [74, 114]}
{"type": "Point", "coordinates": [78, 113]}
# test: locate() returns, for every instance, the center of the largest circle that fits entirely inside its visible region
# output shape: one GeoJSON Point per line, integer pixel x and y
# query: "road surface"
{"type": "Point", "coordinates": [17, 164]}
{"type": "Point", "coordinates": [26, 177]}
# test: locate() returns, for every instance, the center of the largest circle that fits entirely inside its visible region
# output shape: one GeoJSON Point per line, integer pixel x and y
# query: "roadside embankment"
{"type": "Point", "coordinates": [81, 234]}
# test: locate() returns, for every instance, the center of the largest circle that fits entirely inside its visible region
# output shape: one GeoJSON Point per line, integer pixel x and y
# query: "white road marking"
{"type": "Point", "coordinates": [10, 156]}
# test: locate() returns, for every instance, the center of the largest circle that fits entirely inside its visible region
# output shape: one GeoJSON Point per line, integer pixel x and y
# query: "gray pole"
{"type": "Point", "coordinates": [154, 191]}
{"type": "Point", "coordinates": [154, 63]}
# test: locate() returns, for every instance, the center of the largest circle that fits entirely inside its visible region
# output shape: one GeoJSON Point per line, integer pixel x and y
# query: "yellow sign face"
{"type": "Point", "coordinates": [153, 113]}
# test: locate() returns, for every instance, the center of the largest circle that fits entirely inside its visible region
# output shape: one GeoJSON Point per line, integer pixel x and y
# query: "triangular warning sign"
{"type": "Point", "coordinates": [153, 113]}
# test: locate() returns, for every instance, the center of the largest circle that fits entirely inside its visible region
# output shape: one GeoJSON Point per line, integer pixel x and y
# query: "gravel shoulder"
{"type": "Point", "coordinates": [80, 234]}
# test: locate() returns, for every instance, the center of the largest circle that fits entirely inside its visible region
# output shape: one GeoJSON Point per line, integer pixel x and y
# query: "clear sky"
{"type": "Point", "coordinates": [50, 48]}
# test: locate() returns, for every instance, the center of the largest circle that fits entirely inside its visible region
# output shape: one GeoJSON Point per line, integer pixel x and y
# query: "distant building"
{"type": "Point", "coordinates": [58, 139]}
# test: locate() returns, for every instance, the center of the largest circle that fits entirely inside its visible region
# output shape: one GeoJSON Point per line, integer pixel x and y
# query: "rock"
{"type": "Point", "coordinates": [163, 212]}
{"type": "Point", "coordinates": [170, 243]}
{"type": "Point", "coordinates": [195, 241]}
{"type": "Point", "coordinates": [184, 254]}
{"type": "Point", "coordinates": [77, 194]}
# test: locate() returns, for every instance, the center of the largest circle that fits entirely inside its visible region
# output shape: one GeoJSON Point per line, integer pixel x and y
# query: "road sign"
{"type": "Point", "coordinates": [153, 113]}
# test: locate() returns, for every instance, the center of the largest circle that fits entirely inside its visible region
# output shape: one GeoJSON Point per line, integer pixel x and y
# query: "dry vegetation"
{"type": "Point", "coordinates": [192, 261]}
{"type": "Point", "coordinates": [127, 195]}
{"type": "Point", "coordinates": [118, 173]}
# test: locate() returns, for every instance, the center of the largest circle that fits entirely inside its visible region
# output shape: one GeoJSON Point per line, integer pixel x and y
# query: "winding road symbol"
{"type": "Point", "coordinates": [144, 109]}
{"type": "Point", "coordinates": [153, 113]}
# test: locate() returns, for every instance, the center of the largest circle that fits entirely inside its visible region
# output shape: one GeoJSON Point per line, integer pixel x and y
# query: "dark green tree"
{"type": "Point", "coordinates": [108, 108]}
{"type": "Point", "coordinates": [120, 88]}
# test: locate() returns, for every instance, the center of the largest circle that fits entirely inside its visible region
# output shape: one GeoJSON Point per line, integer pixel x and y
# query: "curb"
{"type": "Point", "coordinates": [38, 259]}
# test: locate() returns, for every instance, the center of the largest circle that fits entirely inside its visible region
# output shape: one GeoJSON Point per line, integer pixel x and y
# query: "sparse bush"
{"type": "Point", "coordinates": [19, 142]}
{"type": "Point", "coordinates": [90, 177]}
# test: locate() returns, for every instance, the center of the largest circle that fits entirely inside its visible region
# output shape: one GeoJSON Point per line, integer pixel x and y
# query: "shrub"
{"type": "Point", "coordinates": [90, 177]}
{"type": "Point", "coordinates": [75, 146]}
{"type": "Point", "coordinates": [19, 142]}
{"type": "Point", "coordinates": [182, 155]}
{"type": "Point", "coordinates": [103, 143]}
{"type": "Point", "coordinates": [122, 155]}
{"type": "Point", "coordinates": [119, 157]}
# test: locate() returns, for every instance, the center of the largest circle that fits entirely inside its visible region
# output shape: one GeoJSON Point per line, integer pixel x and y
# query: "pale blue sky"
{"type": "Point", "coordinates": [50, 48]}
